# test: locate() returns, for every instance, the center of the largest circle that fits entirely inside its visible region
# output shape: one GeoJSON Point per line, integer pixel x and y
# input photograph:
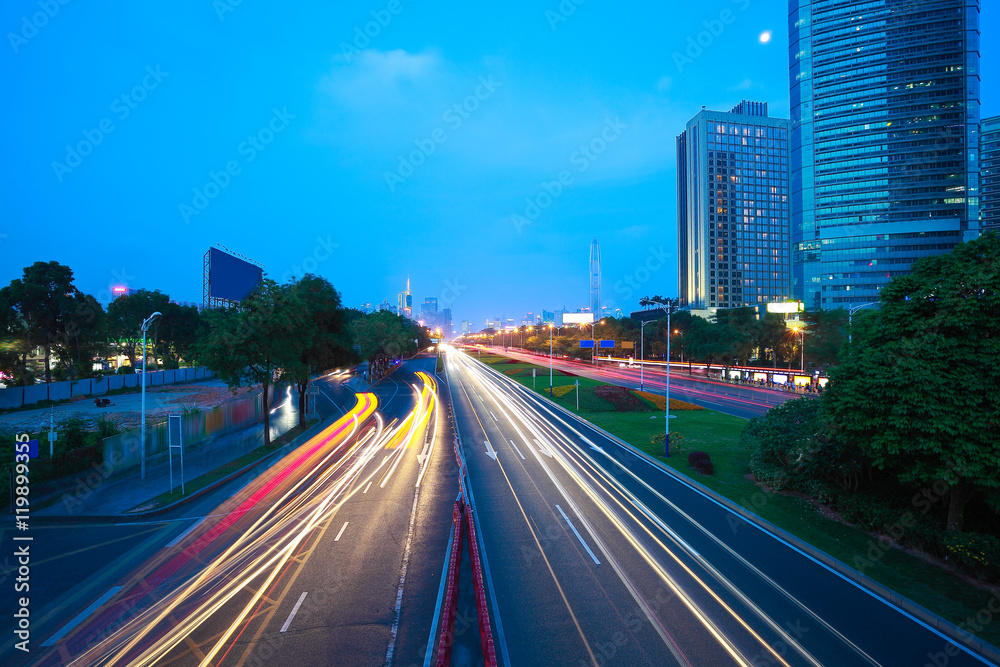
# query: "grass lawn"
{"type": "Point", "coordinates": [199, 483]}
{"type": "Point", "coordinates": [926, 583]}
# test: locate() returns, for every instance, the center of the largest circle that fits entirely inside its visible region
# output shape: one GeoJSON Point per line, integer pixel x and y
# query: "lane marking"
{"type": "Point", "coordinates": [402, 580]}
{"type": "Point", "coordinates": [517, 450]}
{"type": "Point", "coordinates": [342, 529]}
{"type": "Point", "coordinates": [494, 416]}
{"type": "Point", "coordinates": [186, 532]}
{"type": "Point", "coordinates": [578, 536]}
{"type": "Point", "coordinates": [79, 618]}
{"type": "Point", "coordinates": [490, 452]}
{"type": "Point", "coordinates": [543, 449]}
{"type": "Point", "coordinates": [295, 609]}
{"type": "Point", "coordinates": [367, 487]}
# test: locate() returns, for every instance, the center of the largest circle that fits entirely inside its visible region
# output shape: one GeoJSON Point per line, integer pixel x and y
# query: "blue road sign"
{"type": "Point", "coordinates": [607, 343]}
{"type": "Point", "coordinates": [32, 449]}
{"type": "Point", "coordinates": [586, 343]}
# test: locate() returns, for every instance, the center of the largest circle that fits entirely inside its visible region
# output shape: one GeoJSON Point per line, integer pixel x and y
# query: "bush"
{"type": "Point", "coordinates": [975, 552]}
{"type": "Point", "coordinates": [697, 456]}
{"type": "Point", "coordinates": [676, 439]}
{"type": "Point", "coordinates": [125, 370]}
{"type": "Point", "coordinates": [623, 399]}
{"type": "Point", "coordinates": [704, 466]}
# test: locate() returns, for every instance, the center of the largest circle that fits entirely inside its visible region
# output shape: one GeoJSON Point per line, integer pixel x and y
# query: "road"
{"type": "Point", "coordinates": [737, 400]}
{"type": "Point", "coordinates": [333, 555]}
{"type": "Point", "coordinates": [600, 556]}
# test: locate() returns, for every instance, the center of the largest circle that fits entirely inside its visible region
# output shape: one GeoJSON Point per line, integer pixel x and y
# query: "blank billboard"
{"type": "Point", "coordinates": [230, 277]}
{"type": "Point", "coordinates": [578, 318]}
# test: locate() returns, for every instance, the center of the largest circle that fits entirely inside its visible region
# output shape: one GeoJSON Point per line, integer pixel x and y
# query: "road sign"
{"type": "Point", "coordinates": [607, 343]}
{"type": "Point", "coordinates": [587, 343]}
{"type": "Point", "coordinates": [628, 345]}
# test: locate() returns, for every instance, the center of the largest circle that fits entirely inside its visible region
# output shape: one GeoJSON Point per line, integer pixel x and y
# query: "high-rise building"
{"type": "Point", "coordinates": [466, 327]}
{"type": "Point", "coordinates": [595, 278]}
{"type": "Point", "coordinates": [884, 160]}
{"type": "Point", "coordinates": [989, 174]}
{"type": "Point", "coordinates": [732, 208]}
{"type": "Point", "coordinates": [405, 301]}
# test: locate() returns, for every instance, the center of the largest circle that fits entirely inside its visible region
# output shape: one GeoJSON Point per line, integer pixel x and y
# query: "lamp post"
{"type": "Point", "coordinates": [850, 318]}
{"type": "Point", "coordinates": [802, 344]}
{"type": "Point", "coordinates": [142, 445]}
{"type": "Point", "coordinates": [551, 327]}
{"type": "Point", "coordinates": [642, 349]}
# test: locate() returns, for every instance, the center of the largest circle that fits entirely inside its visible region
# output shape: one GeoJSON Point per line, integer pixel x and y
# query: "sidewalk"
{"type": "Point", "coordinates": [99, 492]}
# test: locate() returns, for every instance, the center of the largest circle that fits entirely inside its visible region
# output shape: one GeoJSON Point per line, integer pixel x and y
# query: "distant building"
{"type": "Point", "coordinates": [466, 327]}
{"type": "Point", "coordinates": [595, 278]}
{"type": "Point", "coordinates": [989, 174]}
{"type": "Point", "coordinates": [548, 317]}
{"type": "Point", "coordinates": [732, 208]}
{"type": "Point", "coordinates": [405, 302]}
{"type": "Point", "coordinates": [385, 305]}
{"type": "Point", "coordinates": [883, 150]}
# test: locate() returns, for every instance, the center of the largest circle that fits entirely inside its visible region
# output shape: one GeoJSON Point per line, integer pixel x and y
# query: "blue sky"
{"type": "Point", "coordinates": [286, 133]}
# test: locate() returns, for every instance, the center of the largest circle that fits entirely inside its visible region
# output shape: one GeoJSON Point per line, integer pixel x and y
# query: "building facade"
{"type": "Point", "coordinates": [883, 151]}
{"type": "Point", "coordinates": [732, 208]}
{"type": "Point", "coordinates": [989, 174]}
{"type": "Point", "coordinates": [595, 278]}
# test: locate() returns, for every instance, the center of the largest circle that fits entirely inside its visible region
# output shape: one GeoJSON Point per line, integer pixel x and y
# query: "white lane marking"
{"type": "Point", "coordinates": [578, 536]}
{"type": "Point", "coordinates": [402, 581]}
{"type": "Point", "coordinates": [187, 532]}
{"type": "Point", "coordinates": [367, 487]}
{"type": "Point", "coordinates": [335, 404]}
{"type": "Point", "coordinates": [342, 529]}
{"type": "Point", "coordinates": [516, 449]}
{"type": "Point", "coordinates": [543, 449]}
{"type": "Point", "coordinates": [480, 398]}
{"type": "Point", "coordinates": [295, 609]}
{"type": "Point", "coordinates": [490, 452]}
{"type": "Point", "coordinates": [95, 605]}
{"type": "Point", "coordinates": [494, 416]}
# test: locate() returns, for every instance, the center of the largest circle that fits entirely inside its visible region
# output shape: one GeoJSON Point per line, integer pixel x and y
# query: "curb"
{"type": "Point", "coordinates": [944, 626]}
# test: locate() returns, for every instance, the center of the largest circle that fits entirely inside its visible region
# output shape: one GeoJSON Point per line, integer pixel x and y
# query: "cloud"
{"type": "Point", "coordinates": [380, 78]}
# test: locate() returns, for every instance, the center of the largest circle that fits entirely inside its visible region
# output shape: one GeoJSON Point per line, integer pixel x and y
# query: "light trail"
{"type": "Point", "coordinates": [318, 478]}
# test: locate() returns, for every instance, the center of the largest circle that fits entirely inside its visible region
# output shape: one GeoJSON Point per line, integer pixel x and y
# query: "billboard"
{"type": "Point", "coordinates": [784, 307]}
{"type": "Point", "coordinates": [578, 318]}
{"type": "Point", "coordinates": [230, 277]}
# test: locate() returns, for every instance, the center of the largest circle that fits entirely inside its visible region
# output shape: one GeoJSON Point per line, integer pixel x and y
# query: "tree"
{"type": "Point", "coordinates": [256, 341]}
{"type": "Point", "coordinates": [43, 302]}
{"type": "Point", "coordinates": [771, 332]}
{"type": "Point", "coordinates": [826, 331]}
{"type": "Point", "coordinates": [179, 329]}
{"type": "Point", "coordinates": [329, 339]}
{"type": "Point", "coordinates": [917, 391]}
{"type": "Point", "coordinates": [84, 337]}
{"type": "Point", "coordinates": [126, 315]}
{"type": "Point", "coordinates": [743, 330]}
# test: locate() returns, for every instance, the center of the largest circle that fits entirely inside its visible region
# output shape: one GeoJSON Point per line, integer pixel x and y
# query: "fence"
{"type": "Point", "coordinates": [16, 397]}
{"type": "Point", "coordinates": [122, 450]}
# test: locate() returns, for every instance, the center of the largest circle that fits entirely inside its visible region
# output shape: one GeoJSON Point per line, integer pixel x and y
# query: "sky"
{"type": "Point", "coordinates": [475, 149]}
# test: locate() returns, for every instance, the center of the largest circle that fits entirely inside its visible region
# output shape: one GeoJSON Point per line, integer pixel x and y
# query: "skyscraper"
{"type": "Point", "coordinates": [732, 208]}
{"type": "Point", "coordinates": [989, 174]}
{"type": "Point", "coordinates": [595, 279]}
{"type": "Point", "coordinates": [884, 160]}
{"type": "Point", "coordinates": [405, 307]}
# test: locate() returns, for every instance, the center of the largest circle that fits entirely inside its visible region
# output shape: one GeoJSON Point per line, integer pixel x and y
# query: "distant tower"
{"type": "Point", "coordinates": [595, 279]}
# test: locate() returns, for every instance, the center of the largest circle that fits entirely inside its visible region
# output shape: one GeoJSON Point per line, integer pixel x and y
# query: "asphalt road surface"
{"type": "Point", "coordinates": [598, 556]}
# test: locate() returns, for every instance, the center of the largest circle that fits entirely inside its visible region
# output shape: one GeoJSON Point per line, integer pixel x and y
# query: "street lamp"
{"type": "Point", "coordinates": [850, 318]}
{"type": "Point", "coordinates": [802, 344]}
{"type": "Point", "coordinates": [642, 349]}
{"type": "Point", "coordinates": [142, 445]}
{"type": "Point", "coordinates": [551, 327]}
{"type": "Point", "coordinates": [593, 338]}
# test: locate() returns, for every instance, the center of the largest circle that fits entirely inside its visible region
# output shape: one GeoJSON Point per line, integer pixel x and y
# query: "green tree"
{"type": "Point", "coordinates": [826, 335]}
{"type": "Point", "coordinates": [179, 329]}
{"type": "Point", "coordinates": [42, 301]}
{"type": "Point", "coordinates": [84, 337]}
{"type": "Point", "coordinates": [125, 317]}
{"type": "Point", "coordinates": [329, 339]}
{"type": "Point", "coordinates": [771, 332]}
{"type": "Point", "coordinates": [255, 342]}
{"type": "Point", "coordinates": [917, 391]}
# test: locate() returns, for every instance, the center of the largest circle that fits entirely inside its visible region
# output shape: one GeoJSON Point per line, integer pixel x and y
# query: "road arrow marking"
{"type": "Point", "coordinates": [543, 449]}
{"type": "Point", "coordinates": [490, 452]}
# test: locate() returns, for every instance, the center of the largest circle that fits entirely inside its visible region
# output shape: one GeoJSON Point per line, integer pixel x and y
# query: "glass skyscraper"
{"type": "Point", "coordinates": [732, 208]}
{"type": "Point", "coordinates": [884, 140]}
{"type": "Point", "coordinates": [989, 174]}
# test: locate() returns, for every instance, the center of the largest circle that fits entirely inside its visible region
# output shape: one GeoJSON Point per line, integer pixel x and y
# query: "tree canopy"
{"type": "Point", "coordinates": [918, 388]}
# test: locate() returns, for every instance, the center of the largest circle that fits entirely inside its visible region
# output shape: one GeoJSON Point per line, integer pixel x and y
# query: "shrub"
{"type": "Point", "coordinates": [563, 390]}
{"type": "Point", "coordinates": [661, 401]}
{"type": "Point", "coordinates": [697, 456]}
{"type": "Point", "coordinates": [975, 552]}
{"type": "Point", "coordinates": [704, 466]}
{"type": "Point", "coordinates": [125, 370]}
{"type": "Point", "coordinates": [623, 399]}
{"type": "Point", "coordinates": [676, 439]}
